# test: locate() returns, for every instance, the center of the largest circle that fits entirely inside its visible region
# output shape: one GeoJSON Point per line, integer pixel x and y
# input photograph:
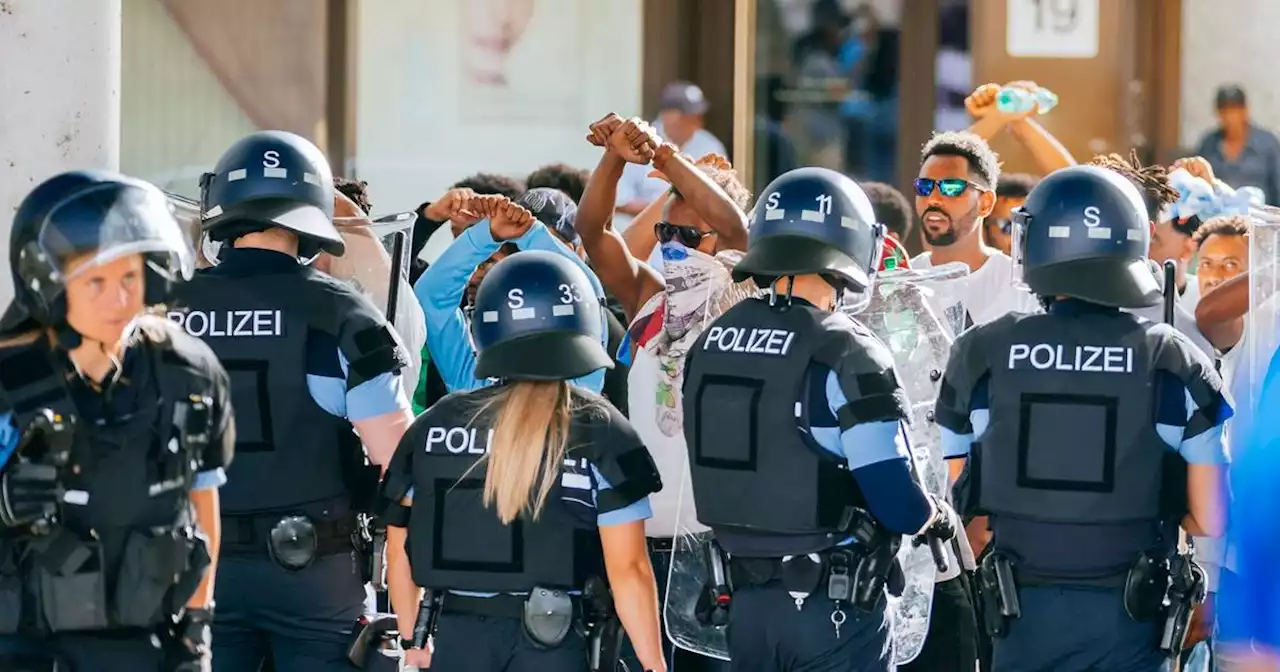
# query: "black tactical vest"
{"type": "Point", "coordinates": [123, 475]}
{"type": "Point", "coordinates": [289, 451]}
{"type": "Point", "coordinates": [456, 543]}
{"type": "Point", "coordinates": [759, 481]}
{"type": "Point", "coordinates": [1071, 437]}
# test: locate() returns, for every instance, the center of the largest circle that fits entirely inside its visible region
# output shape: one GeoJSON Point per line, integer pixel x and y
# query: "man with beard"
{"type": "Point", "coordinates": [954, 194]}
{"type": "Point", "coordinates": [702, 232]}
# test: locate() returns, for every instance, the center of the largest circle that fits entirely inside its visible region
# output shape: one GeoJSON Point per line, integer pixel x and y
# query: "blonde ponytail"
{"type": "Point", "coordinates": [530, 438]}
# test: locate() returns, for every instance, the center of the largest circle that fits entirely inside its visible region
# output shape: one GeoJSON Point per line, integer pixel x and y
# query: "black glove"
{"type": "Point", "coordinates": [28, 493]}
{"type": "Point", "coordinates": [945, 521]}
{"type": "Point", "coordinates": [187, 646]}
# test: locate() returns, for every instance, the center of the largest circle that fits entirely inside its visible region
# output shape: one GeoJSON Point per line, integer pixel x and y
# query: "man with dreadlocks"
{"type": "Point", "coordinates": [1168, 233]}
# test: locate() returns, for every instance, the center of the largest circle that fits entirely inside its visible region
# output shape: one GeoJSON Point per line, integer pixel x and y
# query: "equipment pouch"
{"type": "Point", "coordinates": [147, 571]}
{"type": "Point", "coordinates": [870, 575]}
{"type": "Point", "coordinates": [1145, 587]}
{"type": "Point", "coordinates": [801, 575]}
{"type": "Point", "coordinates": [292, 542]}
{"type": "Point", "coordinates": [547, 617]}
{"type": "Point", "coordinates": [73, 596]}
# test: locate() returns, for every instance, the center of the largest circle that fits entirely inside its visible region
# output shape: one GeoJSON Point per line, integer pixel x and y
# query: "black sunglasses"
{"type": "Point", "coordinates": [950, 186]}
{"type": "Point", "coordinates": [689, 236]}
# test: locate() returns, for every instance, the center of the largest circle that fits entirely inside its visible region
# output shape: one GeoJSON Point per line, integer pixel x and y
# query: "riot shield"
{"type": "Point", "coordinates": [1254, 371]}
{"type": "Point", "coordinates": [918, 313]}
{"type": "Point", "coordinates": [376, 263]}
{"type": "Point", "coordinates": [187, 212]}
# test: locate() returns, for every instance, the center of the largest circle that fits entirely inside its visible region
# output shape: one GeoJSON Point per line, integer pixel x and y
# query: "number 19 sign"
{"type": "Point", "coordinates": [1052, 28]}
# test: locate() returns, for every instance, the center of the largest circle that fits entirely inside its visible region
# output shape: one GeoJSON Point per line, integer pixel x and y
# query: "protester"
{"type": "Point", "coordinates": [681, 121]}
{"type": "Point", "coordinates": [1242, 154]}
{"type": "Point", "coordinates": [447, 290]}
{"type": "Point", "coordinates": [1011, 192]}
{"type": "Point", "coordinates": [954, 195]}
{"type": "Point", "coordinates": [891, 209]}
{"type": "Point", "coordinates": [572, 181]}
{"type": "Point", "coordinates": [703, 214]}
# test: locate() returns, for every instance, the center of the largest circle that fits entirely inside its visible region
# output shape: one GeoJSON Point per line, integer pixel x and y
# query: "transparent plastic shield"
{"type": "Point", "coordinates": [1263, 321]}
{"type": "Point", "coordinates": [685, 606]}
{"type": "Point", "coordinates": [918, 313]}
{"type": "Point", "coordinates": [99, 226]}
{"type": "Point", "coordinates": [376, 263]}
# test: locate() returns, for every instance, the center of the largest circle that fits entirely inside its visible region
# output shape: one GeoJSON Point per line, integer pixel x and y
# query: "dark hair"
{"type": "Point", "coordinates": [1152, 181]}
{"type": "Point", "coordinates": [891, 207]}
{"type": "Point", "coordinates": [1226, 225]}
{"type": "Point", "coordinates": [972, 148]}
{"type": "Point", "coordinates": [572, 181]}
{"type": "Point", "coordinates": [490, 184]}
{"type": "Point", "coordinates": [356, 190]}
{"type": "Point", "coordinates": [1016, 185]}
{"type": "Point", "coordinates": [728, 181]}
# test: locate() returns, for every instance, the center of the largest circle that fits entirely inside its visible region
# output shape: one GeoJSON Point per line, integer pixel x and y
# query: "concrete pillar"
{"type": "Point", "coordinates": [59, 97]}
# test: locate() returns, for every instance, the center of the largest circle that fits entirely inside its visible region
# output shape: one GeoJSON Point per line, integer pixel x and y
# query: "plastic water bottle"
{"type": "Point", "coordinates": [1014, 100]}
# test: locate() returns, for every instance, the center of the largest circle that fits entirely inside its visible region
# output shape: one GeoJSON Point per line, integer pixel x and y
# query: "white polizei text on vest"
{"type": "Point", "coordinates": [234, 323]}
{"type": "Point", "coordinates": [776, 342]}
{"type": "Point", "coordinates": [458, 440]}
{"type": "Point", "coordinates": [1082, 358]}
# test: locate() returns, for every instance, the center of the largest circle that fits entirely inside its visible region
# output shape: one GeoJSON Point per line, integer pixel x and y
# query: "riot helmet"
{"type": "Point", "coordinates": [537, 318]}
{"type": "Point", "coordinates": [813, 220]}
{"type": "Point", "coordinates": [78, 220]}
{"type": "Point", "coordinates": [271, 179]}
{"type": "Point", "coordinates": [1084, 232]}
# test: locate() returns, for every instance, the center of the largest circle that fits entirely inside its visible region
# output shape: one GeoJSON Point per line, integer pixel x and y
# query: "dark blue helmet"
{"type": "Point", "coordinates": [1084, 232]}
{"type": "Point", "coordinates": [267, 179]}
{"type": "Point", "coordinates": [89, 217]}
{"type": "Point", "coordinates": [537, 318]}
{"type": "Point", "coordinates": [813, 220]}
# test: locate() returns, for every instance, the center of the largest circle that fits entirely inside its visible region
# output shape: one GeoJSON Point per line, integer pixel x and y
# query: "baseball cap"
{"type": "Point", "coordinates": [1230, 95]}
{"type": "Point", "coordinates": [554, 209]}
{"type": "Point", "coordinates": [684, 97]}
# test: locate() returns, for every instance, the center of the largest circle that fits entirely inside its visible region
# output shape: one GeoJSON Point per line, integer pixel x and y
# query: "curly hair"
{"type": "Point", "coordinates": [728, 181]}
{"type": "Point", "coordinates": [1226, 225]}
{"type": "Point", "coordinates": [890, 206]}
{"type": "Point", "coordinates": [1016, 185]}
{"type": "Point", "coordinates": [572, 181]}
{"type": "Point", "coordinates": [491, 184]}
{"type": "Point", "coordinates": [982, 161]}
{"type": "Point", "coordinates": [1152, 181]}
{"type": "Point", "coordinates": [356, 190]}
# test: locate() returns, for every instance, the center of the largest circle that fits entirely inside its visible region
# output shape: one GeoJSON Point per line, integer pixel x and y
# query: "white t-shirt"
{"type": "Point", "coordinates": [991, 290]}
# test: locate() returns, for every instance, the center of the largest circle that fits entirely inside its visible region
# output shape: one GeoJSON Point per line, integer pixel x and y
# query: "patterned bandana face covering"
{"type": "Point", "coordinates": [691, 278]}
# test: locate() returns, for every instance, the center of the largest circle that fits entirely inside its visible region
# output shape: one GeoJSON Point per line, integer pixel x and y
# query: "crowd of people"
{"type": "Point", "coordinates": [518, 441]}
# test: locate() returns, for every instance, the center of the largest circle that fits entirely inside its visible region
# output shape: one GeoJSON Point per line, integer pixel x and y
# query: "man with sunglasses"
{"type": "Point", "coordinates": [702, 227]}
{"type": "Point", "coordinates": [954, 195]}
{"type": "Point", "coordinates": [1011, 192]}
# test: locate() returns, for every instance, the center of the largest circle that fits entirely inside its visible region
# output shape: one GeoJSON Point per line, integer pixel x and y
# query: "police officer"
{"type": "Point", "coordinates": [309, 359]}
{"type": "Point", "coordinates": [797, 450]}
{"type": "Point", "coordinates": [114, 431]}
{"type": "Point", "coordinates": [1077, 420]}
{"type": "Point", "coordinates": [522, 504]}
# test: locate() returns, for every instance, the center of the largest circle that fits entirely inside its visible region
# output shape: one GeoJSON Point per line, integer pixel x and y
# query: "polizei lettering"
{"type": "Point", "coordinates": [459, 440]}
{"type": "Point", "coordinates": [774, 342]}
{"type": "Point", "coordinates": [1084, 358]}
{"type": "Point", "coordinates": [244, 323]}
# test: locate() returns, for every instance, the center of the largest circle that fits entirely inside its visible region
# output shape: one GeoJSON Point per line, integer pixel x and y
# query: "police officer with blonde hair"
{"type": "Point", "coordinates": [520, 507]}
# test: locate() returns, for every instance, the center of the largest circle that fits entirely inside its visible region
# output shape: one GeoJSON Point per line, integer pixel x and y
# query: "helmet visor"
{"type": "Point", "coordinates": [102, 225]}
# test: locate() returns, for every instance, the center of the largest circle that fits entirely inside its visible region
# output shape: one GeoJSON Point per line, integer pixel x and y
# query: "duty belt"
{"type": "Point", "coordinates": [249, 535]}
{"type": "Point", "coordinates": [503, 605]}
